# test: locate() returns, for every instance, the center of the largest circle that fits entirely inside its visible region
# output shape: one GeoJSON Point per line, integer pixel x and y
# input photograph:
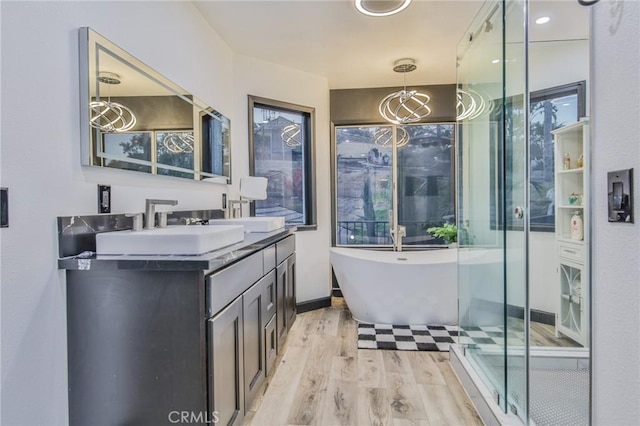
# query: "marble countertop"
{"type": "Point", "coordinates": [208, 262]}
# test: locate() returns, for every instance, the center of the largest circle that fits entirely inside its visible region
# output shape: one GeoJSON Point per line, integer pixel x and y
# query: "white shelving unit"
{"type": "Point", "coordinates": [572, 318]}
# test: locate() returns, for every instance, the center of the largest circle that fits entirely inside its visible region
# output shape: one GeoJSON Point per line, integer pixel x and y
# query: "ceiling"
{"type": "Point", "coordinates": [330, 38]}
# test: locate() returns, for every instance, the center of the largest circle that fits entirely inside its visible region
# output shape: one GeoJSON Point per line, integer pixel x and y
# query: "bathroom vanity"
{"type": "Point", "coordinates": [161, 339]}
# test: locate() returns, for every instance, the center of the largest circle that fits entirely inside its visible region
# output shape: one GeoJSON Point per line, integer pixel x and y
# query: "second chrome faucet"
{"type": "Point", "coordinates": [150, 210]}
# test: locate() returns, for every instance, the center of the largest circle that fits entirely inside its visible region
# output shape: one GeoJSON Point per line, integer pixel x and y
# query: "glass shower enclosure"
{"type": "Point", "coordinates": [511, 286]}
{"type": "Point", "coordinates": [493, 107]}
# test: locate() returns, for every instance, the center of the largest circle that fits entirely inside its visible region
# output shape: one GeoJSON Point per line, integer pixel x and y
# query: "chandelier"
{"type": "Point", "coordinates": [471, 104]}
{"type": "Point", "coordinates": [178, 143]}
{"type": "Point", "coordinates": [290, 135]}
{"type": "Point", "coordinates": [404, 106]}
{"type": "Point", "coordinates": [110, 116]}
{"type": "Point", "coordinates": [384, 137]}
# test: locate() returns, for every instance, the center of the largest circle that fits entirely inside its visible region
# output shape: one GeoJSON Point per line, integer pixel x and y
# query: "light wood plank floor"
{"type": "Point", "coordinates": [322, 378]}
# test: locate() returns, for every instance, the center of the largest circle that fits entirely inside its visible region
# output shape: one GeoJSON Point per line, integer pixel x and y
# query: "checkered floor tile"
{"type": "Point", "coordinates": [424, 337]}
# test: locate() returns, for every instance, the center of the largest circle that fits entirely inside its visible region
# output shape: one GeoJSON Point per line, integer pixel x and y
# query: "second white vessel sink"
{"type": "Point", "coordinates": [177, 240]}
{"type": "Point", "coordinates": [253, 224]}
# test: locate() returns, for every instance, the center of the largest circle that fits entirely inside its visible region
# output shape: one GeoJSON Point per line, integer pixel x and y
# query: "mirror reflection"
{"type": "Point", "coordinates": [133, 118]}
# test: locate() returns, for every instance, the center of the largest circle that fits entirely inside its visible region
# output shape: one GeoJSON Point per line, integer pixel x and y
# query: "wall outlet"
{"type": "Point", "coordinates": [104, 199]}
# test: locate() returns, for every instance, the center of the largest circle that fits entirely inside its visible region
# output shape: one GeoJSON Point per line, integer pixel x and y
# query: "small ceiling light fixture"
{"type": "Point", "coordinates": [110, 116]}
{"type": "Point", "coordinates": [542, 20]}
{"type": "Point", "coordinates": [404, 106]}
{"type": "Point", "coordinates": [381, 7]}
{"type": "Point", "coordinates": [495, 61]}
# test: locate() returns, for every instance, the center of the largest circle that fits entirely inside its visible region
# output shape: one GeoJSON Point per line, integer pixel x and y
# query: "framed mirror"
{"type": "Point", "coordinates": [133, 118]}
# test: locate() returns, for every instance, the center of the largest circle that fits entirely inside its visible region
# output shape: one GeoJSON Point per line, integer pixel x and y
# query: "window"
{"type": "Point", "coordinates": [365, 182]}
{"type": "Point", "coordinates": [549, 109]}
{"type": "Point", "coordinates": [281, 148]}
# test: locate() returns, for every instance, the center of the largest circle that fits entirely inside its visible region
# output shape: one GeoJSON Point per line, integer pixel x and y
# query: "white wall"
{"type": "Point", "coordinates": [259, 78]}
{"type": "Point", "coordinates": [616, 247]}
{"type": "Point", "coordinates": [40, 132]}
{"type": "Point", "coordinates": [41, 167]}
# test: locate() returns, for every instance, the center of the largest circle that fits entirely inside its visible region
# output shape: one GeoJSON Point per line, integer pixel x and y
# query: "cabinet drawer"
{"type": "Point", "coordinates": [269, 257]}
{"type": "Point", "coordinates": [224, 286]}
{"type": "Point", "coordinates": [571, 251]}
{"type": "Point", "coordinates": [285, 248]}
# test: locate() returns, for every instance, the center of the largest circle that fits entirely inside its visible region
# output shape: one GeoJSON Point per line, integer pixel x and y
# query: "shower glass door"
{"type": "Point", "coordinates": [492, 197]}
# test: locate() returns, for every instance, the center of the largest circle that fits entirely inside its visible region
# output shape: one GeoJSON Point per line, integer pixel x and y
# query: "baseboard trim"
{"type": "Point", "coordinates": [543, 317]}
{"type": "Point", "coordinates": [311, 305]}
{"type": "Point", "coordinates": [514, 311]}
{"type": "Point", "coordinates": [337, 292]}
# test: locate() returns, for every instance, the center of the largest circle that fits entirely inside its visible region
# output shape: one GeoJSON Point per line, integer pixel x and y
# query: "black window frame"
{"type": "Point", "coordinates": [309, 174]}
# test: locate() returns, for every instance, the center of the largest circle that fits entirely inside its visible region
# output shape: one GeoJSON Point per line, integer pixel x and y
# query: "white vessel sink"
{"type": "Point", "coordinates": [172, 240]}
{"type": "Point", "coordinates": [253, 224]}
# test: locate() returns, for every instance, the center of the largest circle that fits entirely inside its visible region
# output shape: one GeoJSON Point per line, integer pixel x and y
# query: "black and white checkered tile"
{"type": "Point", "coordinates": [425, 337]}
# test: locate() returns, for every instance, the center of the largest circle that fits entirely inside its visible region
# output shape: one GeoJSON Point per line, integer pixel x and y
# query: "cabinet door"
{"type": "Point", "coordinates": [254, 370]}
{"type": "Point", "coordinates": [256, 306]}
{"type": "Point", "coordinates": [572, 315]}
{"type": "Point", "coordinates": [281, 317]}
{"type": "Point", "coordinates": [290, 294]}
{"type": "Point", "coordinates": [226, 380]}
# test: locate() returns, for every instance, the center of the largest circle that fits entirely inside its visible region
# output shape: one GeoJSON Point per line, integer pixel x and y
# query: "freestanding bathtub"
{"type": "Point", "coordinates": [402, 288]}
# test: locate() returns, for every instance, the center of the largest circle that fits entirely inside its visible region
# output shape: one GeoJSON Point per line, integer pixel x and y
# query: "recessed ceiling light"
{"type": "Point", "coordinates": [495, 61]}
{"type": "Point", "coordinates": [567, 104]}
{"type": "Point", "coordinates": [542, 20]}
{"type": "Point", "coordinates": [360, 5]}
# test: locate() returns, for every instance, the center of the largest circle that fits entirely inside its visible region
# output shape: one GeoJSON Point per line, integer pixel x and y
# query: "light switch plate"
{"type": "Point", "coordinates": [620, 195]}
{"type": "Point", "coordinates": [4, 207]}
{"type": "Point", "coordinates": [104, 199]}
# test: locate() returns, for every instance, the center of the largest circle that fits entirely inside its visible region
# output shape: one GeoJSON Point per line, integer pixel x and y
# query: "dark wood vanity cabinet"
{"type": "Point", "coordinates": [148, 346]}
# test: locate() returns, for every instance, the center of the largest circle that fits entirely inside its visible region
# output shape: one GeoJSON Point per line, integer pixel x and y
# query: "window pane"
{"type": "Point", "coordinates": [119, 147]}
{"type": "Point", "coordinates": [364, 185]}
{"type": "Point", "coordinates": [547, 114]}
{"type": "Point", "coordinates": [426, 181]}
{"type": "Point", "coordinates": [280, 143]}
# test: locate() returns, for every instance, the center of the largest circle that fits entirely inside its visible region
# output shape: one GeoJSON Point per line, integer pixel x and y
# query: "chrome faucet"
{"type": "Point", "coordinates": [150, 210]}
{"type": "Point", "coordinates": [396, 235]}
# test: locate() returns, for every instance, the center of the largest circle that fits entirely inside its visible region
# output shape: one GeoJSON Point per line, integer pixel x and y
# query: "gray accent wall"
{"type": "Point", "coordinates": [360, 106]}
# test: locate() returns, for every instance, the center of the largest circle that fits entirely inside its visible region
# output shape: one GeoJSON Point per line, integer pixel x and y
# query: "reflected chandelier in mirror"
{"type": "Point", "coordinates": [133, 118]}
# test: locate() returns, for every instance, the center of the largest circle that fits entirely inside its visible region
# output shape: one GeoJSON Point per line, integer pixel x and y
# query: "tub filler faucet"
{"type": "Point", "coordinates": [150, 210]}
{"type": "Point", "coordinates": [396, 235]}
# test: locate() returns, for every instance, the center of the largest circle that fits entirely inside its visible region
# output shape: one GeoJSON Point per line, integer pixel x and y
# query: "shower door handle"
{"type": "Point", "coordinates": [518, 212]}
